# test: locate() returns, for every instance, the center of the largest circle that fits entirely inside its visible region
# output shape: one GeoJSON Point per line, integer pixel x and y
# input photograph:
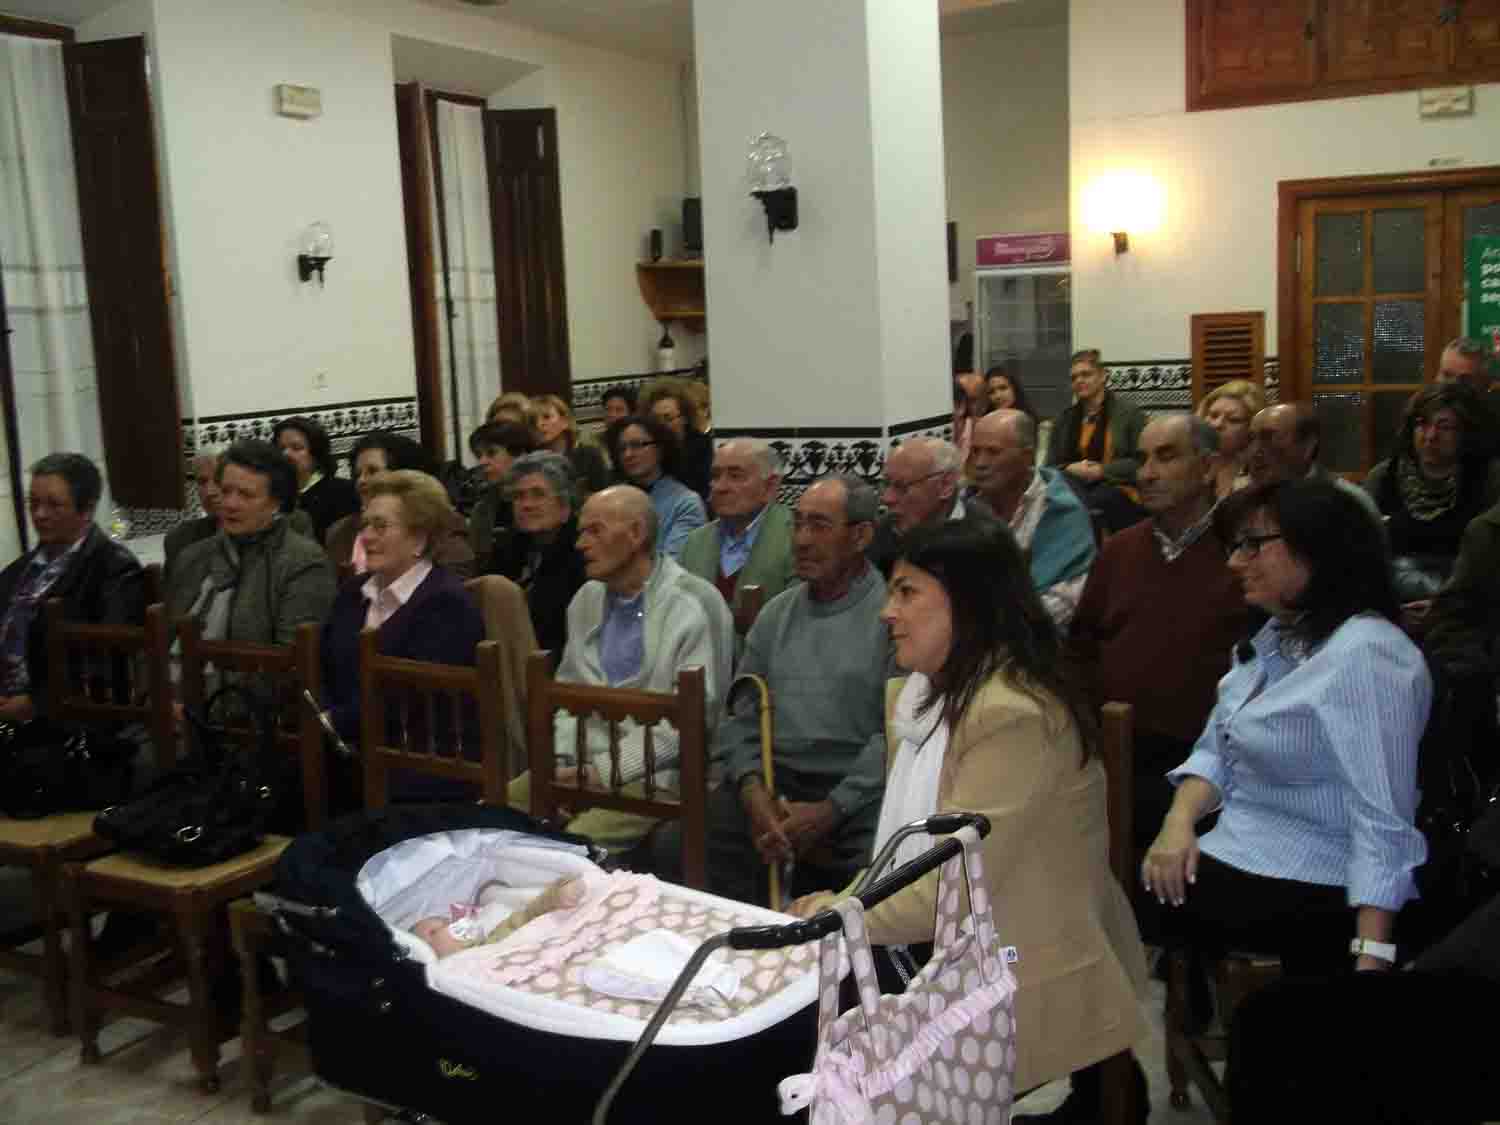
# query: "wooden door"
{"type": "Point", "coordinates": [1467, 214]}
{"type": "Point", "coordinates": [1369, 316]}
{"type": "Point", "coordinates": [1476, 35]}
{"type": "Point", "coordinates": [526, 209]}
{"type": "Point", "coordinates": [1382, 39]}
{"type": "Point", "coordinates": [421, 271]}
{"type": "Point", "coordinates": [124, 259]}
{"type": "Point", "coordinates": [1256, 46]}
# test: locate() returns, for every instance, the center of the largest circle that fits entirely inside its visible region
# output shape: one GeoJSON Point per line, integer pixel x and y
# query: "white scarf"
{"type": "Point", "coordinates": [911, 790]}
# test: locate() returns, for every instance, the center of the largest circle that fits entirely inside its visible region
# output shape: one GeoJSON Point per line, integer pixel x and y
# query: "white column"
{"type": "Point", "coordinates": [839, 330]}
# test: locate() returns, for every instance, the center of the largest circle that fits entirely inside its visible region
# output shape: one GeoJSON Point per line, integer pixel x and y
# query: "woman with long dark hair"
{"type": "Point", "coordinates": [1004, 391]}
{"type": "Point", "coordinates": [991, 720]}
{"type": "Point", "coordinates": [647, 455]}
{"type": "Point", "coordinates": [321, 493]}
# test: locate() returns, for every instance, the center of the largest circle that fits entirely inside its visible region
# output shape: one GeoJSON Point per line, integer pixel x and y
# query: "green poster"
{"type": "Point", "coordinates": [1482, 269]}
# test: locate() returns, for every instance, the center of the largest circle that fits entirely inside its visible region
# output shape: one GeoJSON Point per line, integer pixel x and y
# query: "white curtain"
{"type": "Point", "coordinates": [471, 273]}
{"type": "Point", "coordinates": [41, 250]}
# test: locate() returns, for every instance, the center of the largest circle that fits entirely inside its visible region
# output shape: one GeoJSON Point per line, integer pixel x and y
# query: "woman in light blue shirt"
{"type": "Point", "coordinates": [648, 456]}
{"type": "Point", "coordinates": [1310, 752]}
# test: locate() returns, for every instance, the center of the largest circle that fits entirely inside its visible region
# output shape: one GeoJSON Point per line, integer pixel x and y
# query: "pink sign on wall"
{"type": "Point", "coordinates": [1021, 249]}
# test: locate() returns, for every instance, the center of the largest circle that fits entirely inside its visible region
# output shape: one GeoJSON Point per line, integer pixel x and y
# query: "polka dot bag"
{"type": "Point", "coordinates": [942, 1051]}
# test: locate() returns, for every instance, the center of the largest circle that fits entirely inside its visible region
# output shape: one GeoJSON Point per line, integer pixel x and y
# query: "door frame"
{"type": "Point", "coordinates": [1290, 194]}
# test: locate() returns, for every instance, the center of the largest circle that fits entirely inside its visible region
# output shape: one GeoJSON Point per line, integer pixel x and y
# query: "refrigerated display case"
{"type": "Point", "coordinates": [1023, 314]}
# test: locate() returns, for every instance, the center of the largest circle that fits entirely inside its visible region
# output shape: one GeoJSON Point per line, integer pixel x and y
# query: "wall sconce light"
{"type": "Point", "coordinates": [317, 252]}
{"type": "Point", "coordinates": [1122, 204]}
{"type": "Point", "coordinates": [771, 183]}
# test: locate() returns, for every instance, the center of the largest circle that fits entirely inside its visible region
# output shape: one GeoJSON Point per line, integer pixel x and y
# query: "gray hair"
{"type": "Point", "coordinates": [944, 454]}
{"type": "Point", "coordinates": [861, 501]}
{"type": "Point", "coordinates": [1466, 346]}
{"type": "Point", "coordinates": [1204, 438]}
{"type": "Point", "coordinates": [766, 456]}
{"type": "Point", "coordinates": [1023, 425]}
{"type": "Point", "coordinates": [554, 468]}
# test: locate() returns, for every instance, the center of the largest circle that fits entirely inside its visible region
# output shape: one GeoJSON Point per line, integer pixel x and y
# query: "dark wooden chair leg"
{"type": "Point", "coordinates": [255, 1042]}
{"type": "Point", "coordinates": [1177, 1024]}
{"type": "Point", "coordinates": [44, 883]}
{"type": "Point", "coordinates": [1119, 1099]}
{"type": "Point", "coordinates": [85, 1021]}
{"type": "Point", "coordinates": [203, 1028]}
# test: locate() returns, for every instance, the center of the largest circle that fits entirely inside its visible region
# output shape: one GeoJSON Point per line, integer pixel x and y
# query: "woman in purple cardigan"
{"type": "Point", "coordinates": [422, 612]}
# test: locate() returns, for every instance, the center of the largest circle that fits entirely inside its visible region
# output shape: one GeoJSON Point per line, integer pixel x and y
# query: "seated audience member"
{"type": "Point", "coordinates": [321, 493]}
{"type": "Point", "coordinates": [696, 390]}
{"type": "Point", "coordinates": [541, 555]}
{"type": "Point", "coordinates": [1042, 511]}
{"type": "Point", "coordinates": [256, 580]}
{"type": "Point", "coordinates": [420, 610]}
{"type": "Point", "coordinates": [1161, 613]}
{"type": "Point", "coordinates": [646, 453]}
{"type": "Point", "coordinates": [1310, 753]}
{"type": "Point", "coordinates": [98, 580]}
{"type": "Point", "coordinates": [990, 721]}
{"type": "Point", "coordinates": [1463, 361]}
{"type": "Point", "coordinates": [638, 620]}
{"type": "Point", "coordinates": [963, 422]}
{"type": "Point", "coordinates": [1003, 391]}
{"type": "Point", "coordinates": [618, 403]}
{"type": "Point", "coordinates": [821, 648]}
{"type": "Point", "coordinates": [921, 490]}
{"type": "Point", "coordinates": [496, 445]}
{"type": "Point", "coordinates": [387, 451]}
{"type": "Point", "coordinates": [750, 543]}
{"type": "Point", "coordinates": [673, 407]}
{"type": "Point", "coordinates": [975, 390]}
{"type": "Point", "coordinates": [188, 532]}
{"type": "Point", "coordinates": [1439, 479]}
{"type": "Point", "coordinates": [1094, 441]}
{"type": "Point", "coordinates": [556, 430]}
{"type": "Point", "coordinates": [1284, 441]}
{"type": "Point", "coordinates": [1228, 409]}
{"type": "Point", "coordinates": [512, 407]}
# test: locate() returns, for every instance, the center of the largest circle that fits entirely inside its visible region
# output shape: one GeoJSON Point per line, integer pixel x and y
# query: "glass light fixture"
{"type": "Point", "coordinates": [770, 172]}
{"type": "Point", "coordinates": [316, 251]}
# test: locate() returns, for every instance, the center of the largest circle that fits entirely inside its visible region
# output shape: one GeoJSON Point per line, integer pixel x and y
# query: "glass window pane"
{"type": "Point", "coordinates": [1482, 220]}
{"type": "Point", "coordinates": [1340, 242]}
{"type": "Point", "coordinates": [1388, 410]}
{"type": "Point", "coordinates": [1399, 246]}
{"type": "Point", "coordinates": [1399, 342]}
{"type": "Point", "coordinates": [1342, 419]}
{"type": "Point", "coordinates": [1339, 344]}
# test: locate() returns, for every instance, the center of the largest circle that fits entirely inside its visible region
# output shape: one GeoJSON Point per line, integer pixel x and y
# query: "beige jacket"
{"type": "Point", "coordinates": [1081, 967]}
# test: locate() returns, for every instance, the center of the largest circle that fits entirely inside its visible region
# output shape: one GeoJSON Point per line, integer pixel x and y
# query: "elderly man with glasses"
{"type": "Point", "coordinates": [920, 489]}
{"type": "Point", "coordinates": [822, 649]}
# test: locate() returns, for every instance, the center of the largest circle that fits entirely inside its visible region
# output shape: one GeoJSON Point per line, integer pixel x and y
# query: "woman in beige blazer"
{"type": "Point", "coordinates": [990, 722]}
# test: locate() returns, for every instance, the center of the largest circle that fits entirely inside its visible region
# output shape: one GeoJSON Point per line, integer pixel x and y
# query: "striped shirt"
{"type": "Point", "coordinates": [1315, 761]}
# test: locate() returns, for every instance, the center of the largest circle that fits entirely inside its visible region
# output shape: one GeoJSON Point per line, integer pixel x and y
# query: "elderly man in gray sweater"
{"type": "Point", "coordinates": [824, 652]}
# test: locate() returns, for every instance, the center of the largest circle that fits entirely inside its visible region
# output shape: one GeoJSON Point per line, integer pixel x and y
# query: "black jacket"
{"type": "Point", "coordinates": [327, 502]}
{"type": "Point", "coordinates": [551, 587]}
{"type": "Point", "coordinates": [103, 585]}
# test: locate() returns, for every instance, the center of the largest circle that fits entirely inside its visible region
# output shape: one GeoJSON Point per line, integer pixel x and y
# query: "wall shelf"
{"type": "Point", "coordinates": [673, 290]}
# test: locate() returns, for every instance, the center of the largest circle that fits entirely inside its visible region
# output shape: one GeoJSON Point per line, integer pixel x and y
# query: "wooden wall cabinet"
{"type": "Point", "coordinates": [673, 290]}
{"type": "Point", "coordinates": [1253, 52]}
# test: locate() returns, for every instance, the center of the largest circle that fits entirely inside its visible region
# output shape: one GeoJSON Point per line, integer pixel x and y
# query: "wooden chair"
{"type": "Point", "coordinates": [1118, 1092]}
{"type": "Point", "coordinates": [684, 709]}
{"type": "Point", "coordinates": [410, 686]}
{"type": "Point", "coordinates": [1191, 1053]}
{"type": "Point", "coordinates": [192, 900]}
{"type": "Point", "coordinates": [77, 692]}
{"type": "Point", "coordinates": [747, 607]}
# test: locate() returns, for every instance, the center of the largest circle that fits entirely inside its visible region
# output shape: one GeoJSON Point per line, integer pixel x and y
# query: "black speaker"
{"type": "Point", "coordinates": [692, 225]}
{"type": "Point", "coordinates": [655, 244]}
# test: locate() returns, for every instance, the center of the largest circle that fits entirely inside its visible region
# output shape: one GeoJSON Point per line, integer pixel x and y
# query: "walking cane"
{"type": "Point", "coordinates": [767, 769]}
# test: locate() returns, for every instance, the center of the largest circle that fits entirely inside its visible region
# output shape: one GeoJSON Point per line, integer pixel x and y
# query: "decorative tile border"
{"type": "Point", "coordinates": [1167, 384]}
{"type": "Point", "coordinates": [588, 394]}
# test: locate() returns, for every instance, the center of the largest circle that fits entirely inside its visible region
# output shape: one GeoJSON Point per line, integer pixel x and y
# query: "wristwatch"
{"type": "Point", "coordinates": [1380, 950]}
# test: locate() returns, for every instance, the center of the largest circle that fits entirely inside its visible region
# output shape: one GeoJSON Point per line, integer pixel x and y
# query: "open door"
{"type": "Point", "coordinates": [124, 257]}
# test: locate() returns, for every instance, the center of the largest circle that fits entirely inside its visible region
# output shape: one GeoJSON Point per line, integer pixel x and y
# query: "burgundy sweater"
{"type": "Point", "coordinates": [1159, 635]}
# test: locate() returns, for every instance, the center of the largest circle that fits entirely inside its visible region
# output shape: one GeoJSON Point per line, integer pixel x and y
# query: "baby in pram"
{"type": "Point", "coordinates": [466, 926]}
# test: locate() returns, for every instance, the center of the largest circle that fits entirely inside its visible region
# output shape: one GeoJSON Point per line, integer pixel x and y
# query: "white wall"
{"type": "Point", "coordinates": [1005, 122]}
{"type": "Point", "coordinates": [1215, 250]}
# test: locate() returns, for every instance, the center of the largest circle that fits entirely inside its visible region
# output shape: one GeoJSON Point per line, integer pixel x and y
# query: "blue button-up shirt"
{"type": "Point", "coordinates": [622, 637]}
{"type": "Point", "coordinates": [734, 550]}
{"type": "Point", "coordinates": [1315, 759]}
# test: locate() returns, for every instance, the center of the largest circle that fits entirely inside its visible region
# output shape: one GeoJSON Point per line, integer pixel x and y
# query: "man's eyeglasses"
{"type": "Point", "coordinates": [1251, 544]}
{"type": "Point", "coordinates": [902, 487]}
{"type": "Point", "coordinates": [632, 445]}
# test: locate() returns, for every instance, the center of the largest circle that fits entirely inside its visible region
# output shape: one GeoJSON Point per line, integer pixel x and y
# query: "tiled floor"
{"type": "Point", "coordinates": [147, 1076]}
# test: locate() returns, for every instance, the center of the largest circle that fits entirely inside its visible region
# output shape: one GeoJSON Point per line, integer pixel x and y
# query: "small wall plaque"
{"type": "Point", "coordinates": [299, 101]}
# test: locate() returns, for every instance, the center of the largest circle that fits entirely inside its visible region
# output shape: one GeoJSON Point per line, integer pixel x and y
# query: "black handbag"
{"type": "Point", "coordinates": [46, 769]}
{"type": "Point", "coordinates": [213, 807]}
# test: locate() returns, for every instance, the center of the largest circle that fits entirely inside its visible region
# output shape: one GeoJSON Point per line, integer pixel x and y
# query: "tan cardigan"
{"type": "Point", "coordinates": [1082, 969]}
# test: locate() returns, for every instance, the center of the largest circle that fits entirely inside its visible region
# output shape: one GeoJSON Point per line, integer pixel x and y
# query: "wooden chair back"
{"type": "Point", "coordinates": [507, 622]}
{"type": "Point", "coordinates": [747, 607]}
{"type": "Point", "coordinates": [112, 673]}
{"type": "Point", "coordinates": [278, 673]}
{"type": "Point", "coordinates": [441, 720]}
{"type": "Point", "coordinates": [684, 709]}
{"type": "Point", "coordinates": [151, 580]}
{"type": "Point", "coordinates": [1117, 752]}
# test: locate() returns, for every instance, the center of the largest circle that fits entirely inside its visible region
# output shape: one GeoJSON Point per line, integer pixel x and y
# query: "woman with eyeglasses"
{"type": "Point", "coordinates": [647, 455]}
{"type": "Point", "coordinates": [1310, 753]}
{"type": "Point", "coordinates": [420, 609]}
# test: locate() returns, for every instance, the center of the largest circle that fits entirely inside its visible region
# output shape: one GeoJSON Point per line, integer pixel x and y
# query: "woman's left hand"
{"type": "Point", "coordinates": [808, 905]}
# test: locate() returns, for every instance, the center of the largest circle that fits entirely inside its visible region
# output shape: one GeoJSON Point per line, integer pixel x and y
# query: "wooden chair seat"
{"type": "Point", "coordinates": [61, 830]}
{"type": "Point", "coordinates": [145, 874]}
